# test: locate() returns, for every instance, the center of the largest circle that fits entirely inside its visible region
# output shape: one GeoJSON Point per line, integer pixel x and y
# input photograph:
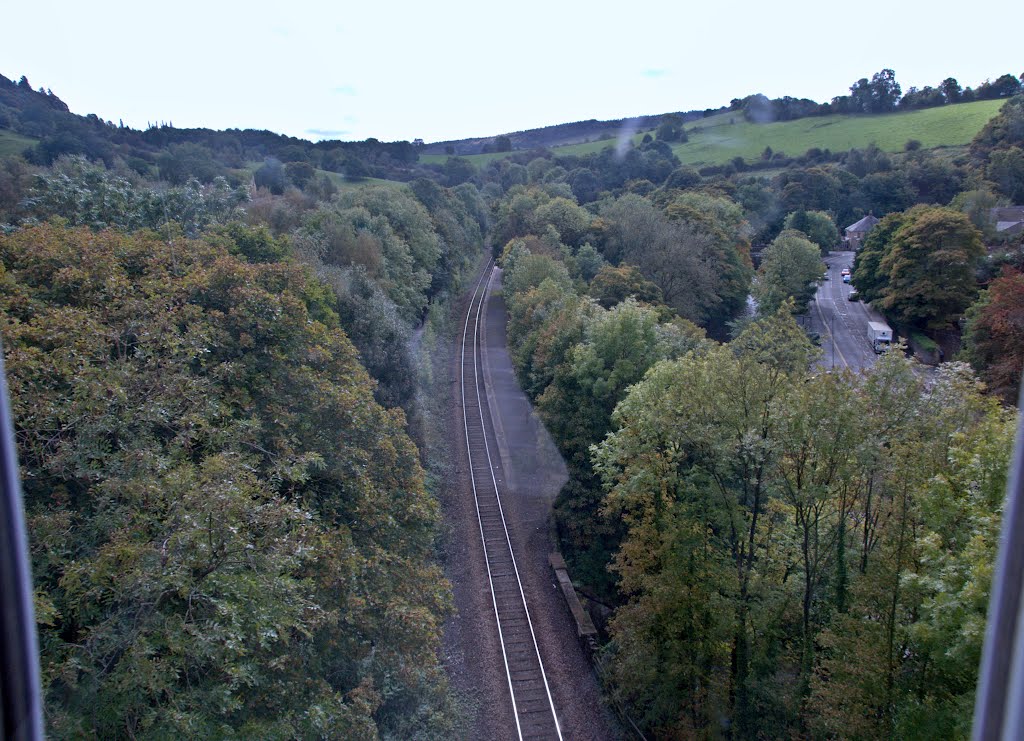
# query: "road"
{"type": "Point", "coordinates": [841, 323]}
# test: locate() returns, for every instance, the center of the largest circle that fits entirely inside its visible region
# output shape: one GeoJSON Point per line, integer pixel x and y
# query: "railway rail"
{"type": "Point", "coordinates": [532, 705]}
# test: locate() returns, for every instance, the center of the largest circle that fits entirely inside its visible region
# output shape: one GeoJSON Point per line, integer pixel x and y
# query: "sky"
{"type": "Point", "coordinates": [452, 69]}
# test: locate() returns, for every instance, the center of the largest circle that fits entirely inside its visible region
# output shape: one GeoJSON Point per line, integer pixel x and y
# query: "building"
{"type": "Point", "coordinates": [1008, 220]}
{"type": "Point", "coordinates": [855, 233]}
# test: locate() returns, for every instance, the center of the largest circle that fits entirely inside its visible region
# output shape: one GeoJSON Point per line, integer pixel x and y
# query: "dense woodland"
{"type": "Point", "coordinates": [216, 355]}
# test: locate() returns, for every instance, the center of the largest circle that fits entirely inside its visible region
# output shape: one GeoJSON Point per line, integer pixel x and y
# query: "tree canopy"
{"type": "Point", "coordinates": [229, 535]}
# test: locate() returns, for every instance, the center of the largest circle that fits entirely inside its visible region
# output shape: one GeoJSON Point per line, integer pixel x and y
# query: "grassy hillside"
{"type": "Point", "coordinates": [11, 143]}
{"type": "Point", "coordinates": [339, 180]}
{"type": "Point", "coordinates": [718, 141]}
{"type": "Point", "coordinates": [482, 159]}
{"type": "Point", "coordinates": [720, 138]}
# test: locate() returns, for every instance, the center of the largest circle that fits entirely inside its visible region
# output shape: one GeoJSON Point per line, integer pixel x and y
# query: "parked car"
{"type": "Point", "coordinates": [853, 296]}
{"type": "Point", "coordinates": [846, 278]}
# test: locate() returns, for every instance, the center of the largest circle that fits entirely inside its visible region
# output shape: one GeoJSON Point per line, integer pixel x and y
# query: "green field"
{"type": "Point", "coordinates": [11, 143]}
{"type": "Point", "coordinates": [482, 159]}
{"type": "Point", "coordinates": [717, 139]}
{"type": "Point", "coordinates": [339, 180]}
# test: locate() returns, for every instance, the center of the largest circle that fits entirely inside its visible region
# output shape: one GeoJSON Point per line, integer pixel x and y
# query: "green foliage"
{"type": "Point", "coordinates": [670, 129]}
{"type": "Point", "coordinates": [255, 244]}
{"type": "Point", "coordinates": [569, 220]}
{"type": "Point", "coordinates": [805, 554]}
{"type": "Point", "coordinates": [612, 286]}
{"type": "Point", "coordinates": [1003, 131]}
{"type": "Point", "coordinates": [697, 253]}
{"type": "Point", "coordinates": [817, 226]}
{"type": "Point", "coordinates": [187, 161]}
{"type": "Point", "coordinates": [868, 274]}
{"type": "Point", "coordinates": [86, 194]}
{"type": "Point", "coordinates": [929, 268]}
{"type": "Point", "coordinates": [230, 538]}
{"type": "Point", "coordinates": [790, 269]}
{"type": "Point", "coordinates": [977, 204]}
{"type": "Point", "coordinates": [1006, 170]}
{"type": "Point", "coordinates": [919, 265]}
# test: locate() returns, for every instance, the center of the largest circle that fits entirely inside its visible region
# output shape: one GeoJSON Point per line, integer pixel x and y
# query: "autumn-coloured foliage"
{"type": "Point", "coordinates": [994, 339]}
{"type": "Point", "coordinates": [229, 535]}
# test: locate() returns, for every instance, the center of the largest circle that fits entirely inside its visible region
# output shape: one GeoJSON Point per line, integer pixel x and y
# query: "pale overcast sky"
{"type": "Point", "coordinates": [450, 69]}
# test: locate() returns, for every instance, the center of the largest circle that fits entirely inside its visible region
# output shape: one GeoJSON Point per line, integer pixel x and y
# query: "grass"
{"type": "Point", "coordinates": [948, 126]}
{"type": "Point", "coordinates": [477, 159]}
{"type": "Point", "coordinates": [927, 344]}
{"type": "Point", "coordinates": [339, 180]}
{"type": "Point", "coordinates": [718, 139]}
{"type": "Point", "coordinates": [11, 143]}
{"type": "Point", "coordinates": [342, 184]}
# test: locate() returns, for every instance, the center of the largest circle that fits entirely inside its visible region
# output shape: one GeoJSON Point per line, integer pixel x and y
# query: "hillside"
{"type": "Point", "coordinates": [720, 138]}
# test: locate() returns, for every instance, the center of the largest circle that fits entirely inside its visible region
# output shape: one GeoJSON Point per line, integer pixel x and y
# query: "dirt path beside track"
{"type": "Point", "coordinates": [532, 472]}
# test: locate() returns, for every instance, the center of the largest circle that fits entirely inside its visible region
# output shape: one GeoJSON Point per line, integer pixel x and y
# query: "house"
{"type": "Point", "coordinates": [855, 233]}
{"type": "Point", "coordinates": [1008, 220]}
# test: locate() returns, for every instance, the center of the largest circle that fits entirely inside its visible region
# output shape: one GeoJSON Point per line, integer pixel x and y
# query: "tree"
{"type": "Point", "coordinates": [588, 263]}
{"type": "Point", "coordinates": [671, 129]}
{"type": "Point", "coordinates": [458, 170]}
{"type": "Point", "coordinates": [299, 173]}
{"type": "Point", "coordinates": [1004, 130]}
{"type": "Point", "coordinates": [613, 285]}
{"type": "Point", "coordinates": [569, 220]}
{"type": "Point", "coordinates": [271, 175]}
{"type": "Point", "coordinates": [977, 205]}
{"type": "Point", "coordinates": [585, 184]}
{"type": "Point", "coordinates": [885, 92]}
{"type": "Point", "coordinates": [725, 224]}
{"type": "Point", "coordinates": [683, 177]}
{"type": "Point", "coordinates": [224, 524]}
{"type": "Point", "coordinates": [817, 226]}
{"type": "Point", "coordinates": [1006, 170]}
{"type": "Point", "coordinates": [868, 274]}
{"type": "Point", "coordinates": [929, 267]}
{"type": "Point", "coordinates": [688, 470]}
{"type": "Point", "coordinates": [790, 268]}
{"type": "Point", "coordinates": [994, 335]}
{"type": "Point", "coordinates": [951, 90]}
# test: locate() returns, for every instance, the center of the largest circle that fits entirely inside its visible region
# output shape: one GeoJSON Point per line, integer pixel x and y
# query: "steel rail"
{"type": "Point", "coordinates": [477, 301]}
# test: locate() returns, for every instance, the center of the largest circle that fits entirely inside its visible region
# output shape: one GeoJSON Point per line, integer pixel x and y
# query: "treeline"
{"type": "Point", "coordinates": [215, 399]}
{"type": "Point", "coordinates": [817, 195]}
{"type": "Point", "coordinates": [788, 552]}
{"type": "Point", "coordinates": [804, 554]}
{"type": "Point", "coordinates": [229, 535]}
{"type": "Point", "coordinates": [881, 94]}
{"type": "Point", "coordinates": [175, 154]}
{"type": "Point", "coordinates": [847, 185]}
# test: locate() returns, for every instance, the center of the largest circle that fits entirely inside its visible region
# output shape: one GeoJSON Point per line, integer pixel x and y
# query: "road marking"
{"type": "Point", "coordinates": [832, 337]}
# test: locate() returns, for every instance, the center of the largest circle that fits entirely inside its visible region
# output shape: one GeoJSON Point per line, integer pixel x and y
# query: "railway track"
{"type": "Point", "coordinates": [529, 693]}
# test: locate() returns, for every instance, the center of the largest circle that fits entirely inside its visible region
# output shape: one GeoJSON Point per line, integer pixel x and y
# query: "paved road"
{"type": "Point", "coordinates": [842, 324]}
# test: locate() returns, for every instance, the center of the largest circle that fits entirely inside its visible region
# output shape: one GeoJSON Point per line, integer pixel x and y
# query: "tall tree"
{"type": "Point", "coordinates": [790, 269]}
{"type": "Point", "coordinates": [929, 267]}
{"type": "Point", "coordinates": [994, 336]}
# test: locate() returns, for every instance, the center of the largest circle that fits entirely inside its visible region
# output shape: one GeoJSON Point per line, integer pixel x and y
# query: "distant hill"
{"type": "Point", "coordinates": [750, 132]}
{"type": "Point", "coordinates": [559, 135]}
{"type": "Point", "coordinates": [723, 136]}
